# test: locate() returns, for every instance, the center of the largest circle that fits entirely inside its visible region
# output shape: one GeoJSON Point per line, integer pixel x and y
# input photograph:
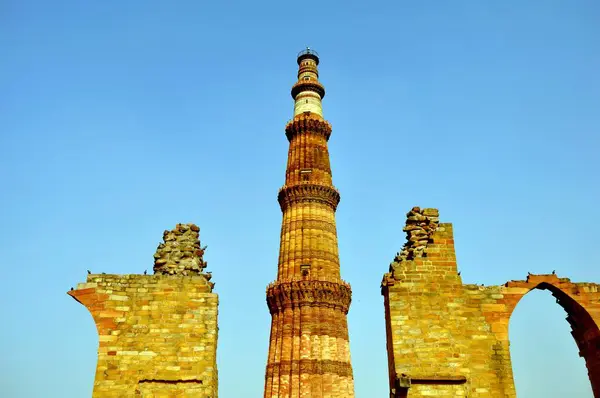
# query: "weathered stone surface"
{"type": "Point", "coordinates": [180, 253]}
{"type": "Point", "coordinates": [446, 339]}
{"type": "Point", "coordinates": [420, 226]}
{"type": "Point", "coordinates": [157, 335]}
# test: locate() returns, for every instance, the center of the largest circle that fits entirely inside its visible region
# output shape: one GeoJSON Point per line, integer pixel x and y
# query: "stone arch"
{"type": "Point", "coordinates": [463, 346]}
{"type": "Point", "coordinates": [581, 302]}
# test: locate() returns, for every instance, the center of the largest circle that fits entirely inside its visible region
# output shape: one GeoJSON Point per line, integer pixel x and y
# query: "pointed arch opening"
{"type": "Point", "coordinates": [581, 326]}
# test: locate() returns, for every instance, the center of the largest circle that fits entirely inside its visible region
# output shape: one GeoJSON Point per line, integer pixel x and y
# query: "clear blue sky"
{"type": "Point", "coordinates": [120, 119]}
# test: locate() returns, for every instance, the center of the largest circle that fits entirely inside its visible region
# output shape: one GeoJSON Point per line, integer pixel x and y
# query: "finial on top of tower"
{"type": "Point", "coordinates": [308, 53]}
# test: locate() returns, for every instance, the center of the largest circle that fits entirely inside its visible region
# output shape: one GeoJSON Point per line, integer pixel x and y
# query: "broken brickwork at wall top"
{"type": "Point", "coordinates": [181, 252]}
{"type": "Point", "coordinates": [157, 333]}
{"type": "Point", "coordinates": [448, 339]}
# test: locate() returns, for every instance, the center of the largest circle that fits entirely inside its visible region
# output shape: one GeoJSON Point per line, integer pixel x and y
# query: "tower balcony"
{"type": "Point", "coordinates": [308, 85]}
{"type": "Point", "coordinates": [307, 122]}
{"type": "Point", "coordinates": [308, 192]}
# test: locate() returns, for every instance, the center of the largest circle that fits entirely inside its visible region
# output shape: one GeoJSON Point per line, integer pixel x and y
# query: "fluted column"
{"type": "Point", "coordinates": [309, 354]}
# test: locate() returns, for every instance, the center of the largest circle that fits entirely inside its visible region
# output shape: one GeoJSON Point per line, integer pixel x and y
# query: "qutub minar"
{"type": "Point", "coordinates": [158, 333]}
{"type": "Point", "coordinates": [309, 353]}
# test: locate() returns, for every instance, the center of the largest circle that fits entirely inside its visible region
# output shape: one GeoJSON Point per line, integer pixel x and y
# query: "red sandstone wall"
{"type": "Point", "coordinates": [450, 340]}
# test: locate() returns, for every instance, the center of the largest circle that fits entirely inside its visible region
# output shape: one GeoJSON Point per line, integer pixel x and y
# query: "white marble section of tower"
{"type": "Point", "coordinates": [308, 91]}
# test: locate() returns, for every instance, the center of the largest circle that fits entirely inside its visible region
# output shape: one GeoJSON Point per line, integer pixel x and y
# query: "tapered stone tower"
{"type": "Point", "coordinates": [309, 354]}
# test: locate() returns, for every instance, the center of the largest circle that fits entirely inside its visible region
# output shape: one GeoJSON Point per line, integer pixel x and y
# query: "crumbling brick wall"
{"type": "Point", "coordinates": [450, 340]}
{"type": "Point", "coordinates": [157, 333]}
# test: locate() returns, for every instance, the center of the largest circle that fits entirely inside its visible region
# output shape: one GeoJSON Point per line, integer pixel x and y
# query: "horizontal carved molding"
{"type": "Point", "coordinates": [308, 193]}
{"type": "Point", "coordinates": [294, 294]}
{"type": "Point", "coordinates": [307, 124]}
{"type": "Point", "coordinates": [314, 325]}
{"type": "Point", "coordinates": [308, 85]}
{"type": "Point", "coordinates": [163, 381]}
{"type": "Point", "coordinates": [319, 225]}
{"type": "Point", "coordinates": [309, 366]}
{"type": "Point", "coordinates": [308, 255]}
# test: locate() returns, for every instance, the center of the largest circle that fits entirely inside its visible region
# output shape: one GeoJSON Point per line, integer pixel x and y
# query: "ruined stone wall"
{"type": "Point", "coordinates": [446, 339]}
{"type": "Point", "coordinates": [157, 333]}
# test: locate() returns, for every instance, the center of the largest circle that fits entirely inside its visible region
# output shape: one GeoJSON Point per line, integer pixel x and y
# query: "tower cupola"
{"type": "Point", "coordinates": [308, 91]}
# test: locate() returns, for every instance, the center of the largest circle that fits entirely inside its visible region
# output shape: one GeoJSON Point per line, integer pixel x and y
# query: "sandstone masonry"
{"type": "Point", "coordinates": [309, 349]}
{"type": "Point", "coordinates": [180, 253]}
{"type": "Point", "coordinates": [446, 339]}
{"type": "Point", "coordinates": [157, 333]}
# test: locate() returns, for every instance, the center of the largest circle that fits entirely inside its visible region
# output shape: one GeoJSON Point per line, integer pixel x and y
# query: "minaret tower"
{"type": "Point", "coordinates": [309, 354]}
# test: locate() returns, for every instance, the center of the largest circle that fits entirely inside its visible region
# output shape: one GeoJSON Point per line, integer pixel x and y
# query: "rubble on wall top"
{"type": "Point", "coordinates": [181, 253]}
{"type": "Point", "coordinates": [420, 226]}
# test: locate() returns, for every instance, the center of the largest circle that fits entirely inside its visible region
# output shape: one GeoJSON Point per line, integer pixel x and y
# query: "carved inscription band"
{"type": "Point", "coordinates": [319, 225]}
{"type": "Point", "coordinates": [308, 193]}
{"type": "Point", "coordinates": [312, 254]}
{"type": "Point", "coordinates": [295, 294]}
{"type": "Point", "coordinates": [311, 366]}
